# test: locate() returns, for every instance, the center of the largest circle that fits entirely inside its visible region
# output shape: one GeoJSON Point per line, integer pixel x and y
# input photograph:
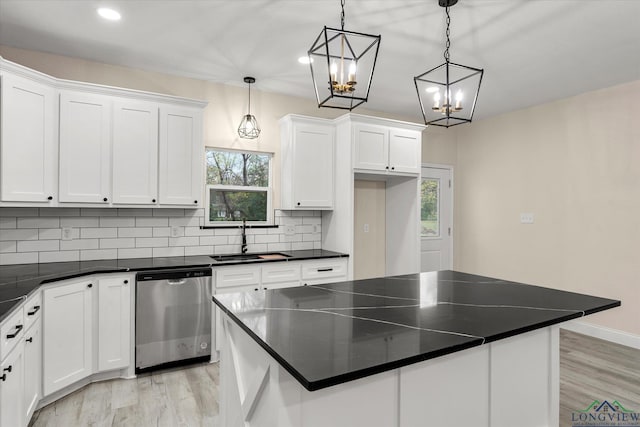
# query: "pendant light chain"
{"type": "Point", "coordinates": [342, 15]}
{"type": "Point", "coordinates": [249, 110]}
{"type": "Point", "coordinates": [448, 45]}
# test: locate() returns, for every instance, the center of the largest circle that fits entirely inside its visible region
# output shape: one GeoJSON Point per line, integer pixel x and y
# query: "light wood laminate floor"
{"type": "Point", "coordinates": [171, 398]}
{"type": "Point", "coordinates": [590, 369]}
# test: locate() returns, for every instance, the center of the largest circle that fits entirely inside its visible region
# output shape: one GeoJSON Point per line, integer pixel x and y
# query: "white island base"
{"type": "Point", "coordinates": [511, 382]}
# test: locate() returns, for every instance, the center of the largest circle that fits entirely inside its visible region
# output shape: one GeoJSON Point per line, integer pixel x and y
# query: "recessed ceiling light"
{"type": "Point", "coordinates": [110, 14]}
{"type": "Point", "coordinates": [305, 60]}
{"type": "Point", "coordinates": [432, 89]}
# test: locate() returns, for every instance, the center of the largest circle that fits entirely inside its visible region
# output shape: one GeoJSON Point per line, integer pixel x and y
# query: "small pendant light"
{"type": "Point", "coordinates": [448, 92]}
{"type": "Point", "coordinates": [249, 128]}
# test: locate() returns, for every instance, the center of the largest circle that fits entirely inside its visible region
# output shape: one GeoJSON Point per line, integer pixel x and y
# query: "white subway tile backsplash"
{"type": "Point", "coordinates": [29, 235]}
{"type": "Point", "coordinates": [135, 232]}
{"type": "Point", "coordinates": [92, 254]}
{"type": "Point", "coordinates": [198, 250]}
{"type": "Point", "coordinates": [19, 258]}
{"type": "Point", "coordinates": [70, 245]}
{"type": "Point", "coordinates": [7, 223]}
{"type": "Point", "coordinates": [60, 256]}
{"type": "Point", "coordinates": [80, 222]}
{"type": "Point", "coordinates": [18, 234]}
{"type": "Point", "coordinates": [184, 241]}
{"type": "Point", "coordinates": [152, 242]}
{"type": "Point", "coordinates": [98, 233]}
{"type": "Point", "coordinates": [162, 252]}
{"type": "Point", "coordinates": [50, 234]}
{"type": "Point", "coordinates": [38, 245]}
{"type": "Point", "coordinates": [317, 245]}
{"type": "Point", "coordinates": [16, 212]}
{"type": "Point", "coordinates": [135, 253]}
{"type": "Point", "coordinates": [161, 231]}
{"type": "Point", "coordinates": [38, 222]}
{"type": "Point", "coordinates": [118, 222]}
{"type": "Point", "coordinates": [8, 246]}
{"type": "Point", "coordinates": [128, 242]}
{"type": "Point", "coordinates": [152, 222]}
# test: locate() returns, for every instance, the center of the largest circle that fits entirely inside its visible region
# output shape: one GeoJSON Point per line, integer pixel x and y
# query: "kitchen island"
{"type": "Point", "coordinates": [440, 349]}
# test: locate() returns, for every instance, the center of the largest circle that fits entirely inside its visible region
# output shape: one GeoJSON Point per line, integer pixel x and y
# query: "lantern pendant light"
{"type": "Point", "coordinates": [448, 92]}
{"type": "Point", "coordinates": [342, 64]}
{"type": "Point", "coordinates": [249, 128]}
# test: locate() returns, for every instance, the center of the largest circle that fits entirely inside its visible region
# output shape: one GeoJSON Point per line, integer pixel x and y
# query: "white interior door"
{"type": "Point", "coordinates": [436, 218]}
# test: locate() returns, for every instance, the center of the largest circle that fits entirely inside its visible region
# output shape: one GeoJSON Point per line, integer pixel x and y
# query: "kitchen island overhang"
{"type": "Point", "coordinates": [407, 332]}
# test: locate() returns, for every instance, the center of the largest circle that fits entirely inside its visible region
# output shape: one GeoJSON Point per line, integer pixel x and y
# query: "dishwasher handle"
{"type": "Point", "coordinates": [176, 282]}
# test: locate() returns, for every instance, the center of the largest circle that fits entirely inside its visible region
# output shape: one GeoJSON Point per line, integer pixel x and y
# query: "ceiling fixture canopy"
{"type": "Point", "coordinates": [249, 128]}
{"type": "Point", "coordinates": [448, 92]}
{"type": "Point", "coordinates": [342, 64]}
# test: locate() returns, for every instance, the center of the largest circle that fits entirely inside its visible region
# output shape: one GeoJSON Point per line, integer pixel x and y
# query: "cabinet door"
{"type": "Point", "coordinates": [404, 151]}
{"type": "Point", "coordinates": [68, 344]}
{"type": "Point", "coordinates": [28, 141]}
{"type": "Point", "coordinates": [85, 135]}
{"type": "Point", "coordinates": [312, 179]}
{"type": "Point", "coordinates": [181, 156]}
{"type": "Point", "coordinates": [32, 370]}
{"type": "Point", "coordinates": [11, 386]}
{"type": "Point", "coordinates": [135, 152]}
{"type": "Point", "coordinates": [114, 323]}
{"type": "Point", "coordinates": [371, 147]}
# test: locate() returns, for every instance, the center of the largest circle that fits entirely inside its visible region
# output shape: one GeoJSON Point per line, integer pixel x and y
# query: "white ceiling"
{"type": "Point", "coordinates": [533, 51]}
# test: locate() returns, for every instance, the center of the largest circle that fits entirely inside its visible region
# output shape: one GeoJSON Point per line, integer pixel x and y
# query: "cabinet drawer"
{"type": "Point", "coordinates": [280, 272]}
{"type": "Point", "coordinates": [32, 310]}
{"type": "Point", "coordinates": [237, 276]}
{"type": "Point", "coordinates": [334, 267]}
{"type": "Point", "coordinates": [11, 332]}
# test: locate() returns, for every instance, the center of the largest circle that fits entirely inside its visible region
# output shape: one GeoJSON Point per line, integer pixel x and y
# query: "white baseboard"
{"type": "Point", "coordinates": [603, 333]}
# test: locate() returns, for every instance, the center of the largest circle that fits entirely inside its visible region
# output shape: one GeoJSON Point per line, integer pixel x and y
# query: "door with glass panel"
{"type": "Point", "coordinates": [436, 217]}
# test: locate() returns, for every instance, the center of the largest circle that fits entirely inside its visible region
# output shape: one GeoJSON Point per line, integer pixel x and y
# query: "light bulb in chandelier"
{"type": "Point", "coordinates": [338, 82]}
{"type": "Point", "coordinates": [446, 107]}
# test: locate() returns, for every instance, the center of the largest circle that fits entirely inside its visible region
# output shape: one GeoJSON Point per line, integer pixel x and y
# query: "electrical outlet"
{"type": "Point", "coordinates": [67, 233]}
{"type": "Point", "coordinates": [366, 228]}
{"type": "Point", "coordinates": [176, 231]}
{"type": "Point", "coordinates": [289, 230]}
{"type": "Point", "coordinates": [526, 218]}
{"type": "Point", "coordinates": [316, 228]}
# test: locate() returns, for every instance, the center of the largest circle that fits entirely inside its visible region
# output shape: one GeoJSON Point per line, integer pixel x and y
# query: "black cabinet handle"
{"type": "Point", "coordinates": [29, 339]}
{"type": "Point", "coordinates": [8, 369]}
{"type": "Point", "coordinates": [393, 168]}
{"type": "Point", "coordinates": [256, 289]}
{"type": "Point", "coordinates": [386, 167]}
{"type": "Point", "coordinates": [325, 269]}
{"type": "Point", "coordinates": [36, 308]}
{"type": "Point", "coordinates": [153, 200]}
{"type": "Point", "coordinates": [90, 285]}
{"type": "Point", "coordinates": [126, 282]}
{"type": "Point", "coordinates": [298, 203]}
{"type": "Point", "coordinates": [304, 284]}
{"type": "Point", "coordinates": [195, 201]}
{"type": "Point", "coordinates": [104, 200]}
{"type": "Point", "coordinates": [50, 198]}
{"type": "Point", "coordinates": [17, 331]}
{"type": "Point", "coordinates": [3, 377]}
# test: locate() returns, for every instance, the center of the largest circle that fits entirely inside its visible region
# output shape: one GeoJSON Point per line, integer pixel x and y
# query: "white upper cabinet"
{"type": "Point", "coordinates": [135, 152]}
{"type": "Point", "coordinates": [181, 156]}
{"type": "Point", "coordinates": [386, 148]}
{"type": "Point", "coordinates": [28, 150]}
{"type": "Point", "coordinates": [85, 145]}
{"type": "Point", "coordinates": [307, 158]}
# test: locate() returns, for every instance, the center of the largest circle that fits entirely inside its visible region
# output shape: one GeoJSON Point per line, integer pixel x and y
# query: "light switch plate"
{"type": "Point", "coordinates": [526, 218]}
{"type": "Point", "coordinates": [289, 230]}
{"type": "Point", "coordinates": [176, 231]}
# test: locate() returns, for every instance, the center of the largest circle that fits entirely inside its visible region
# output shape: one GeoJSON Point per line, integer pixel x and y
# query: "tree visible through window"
{"type": "Point", "coordinates": [238, 186]}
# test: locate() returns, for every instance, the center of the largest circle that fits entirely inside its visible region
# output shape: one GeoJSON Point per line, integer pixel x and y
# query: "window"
{"type": "Point", "coordinates": [238, 187]}
{"type": "Point", "coordinates": [429, 207]}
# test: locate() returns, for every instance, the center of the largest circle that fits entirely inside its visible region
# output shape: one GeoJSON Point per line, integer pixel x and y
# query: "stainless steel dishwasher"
{"type": "Point", "coordinates": [173, 316]}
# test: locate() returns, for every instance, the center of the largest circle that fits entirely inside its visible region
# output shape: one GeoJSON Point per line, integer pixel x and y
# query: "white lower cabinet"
{"type": "Point", "coordinates": [114, 323]}
{"type": "Point", "coordinates": [33, 369]}
{"type": "Point", "coordinates": [11, 388]}
{"type": "Point", "coordinates": [68, 323]}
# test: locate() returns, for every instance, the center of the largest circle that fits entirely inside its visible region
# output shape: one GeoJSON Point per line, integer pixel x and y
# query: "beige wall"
{"type": "Point", "coordinates": [369, 255]}
{"type": "Point", "coordinates": [575, 164]}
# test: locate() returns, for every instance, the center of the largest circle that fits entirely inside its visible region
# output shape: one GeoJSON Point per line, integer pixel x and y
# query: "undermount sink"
{"type": "Point", "coordinates": [250, 257]}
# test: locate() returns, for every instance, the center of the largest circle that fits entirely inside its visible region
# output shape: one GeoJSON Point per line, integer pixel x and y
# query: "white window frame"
{"type": "Point", "coordinates": [268, 190]}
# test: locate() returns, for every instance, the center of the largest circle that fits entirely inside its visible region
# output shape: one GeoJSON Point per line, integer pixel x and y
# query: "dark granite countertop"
{"type": "Point", "coordinates": [17, 282]}
{"type": "Point", "coordinates": [325, 335]}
